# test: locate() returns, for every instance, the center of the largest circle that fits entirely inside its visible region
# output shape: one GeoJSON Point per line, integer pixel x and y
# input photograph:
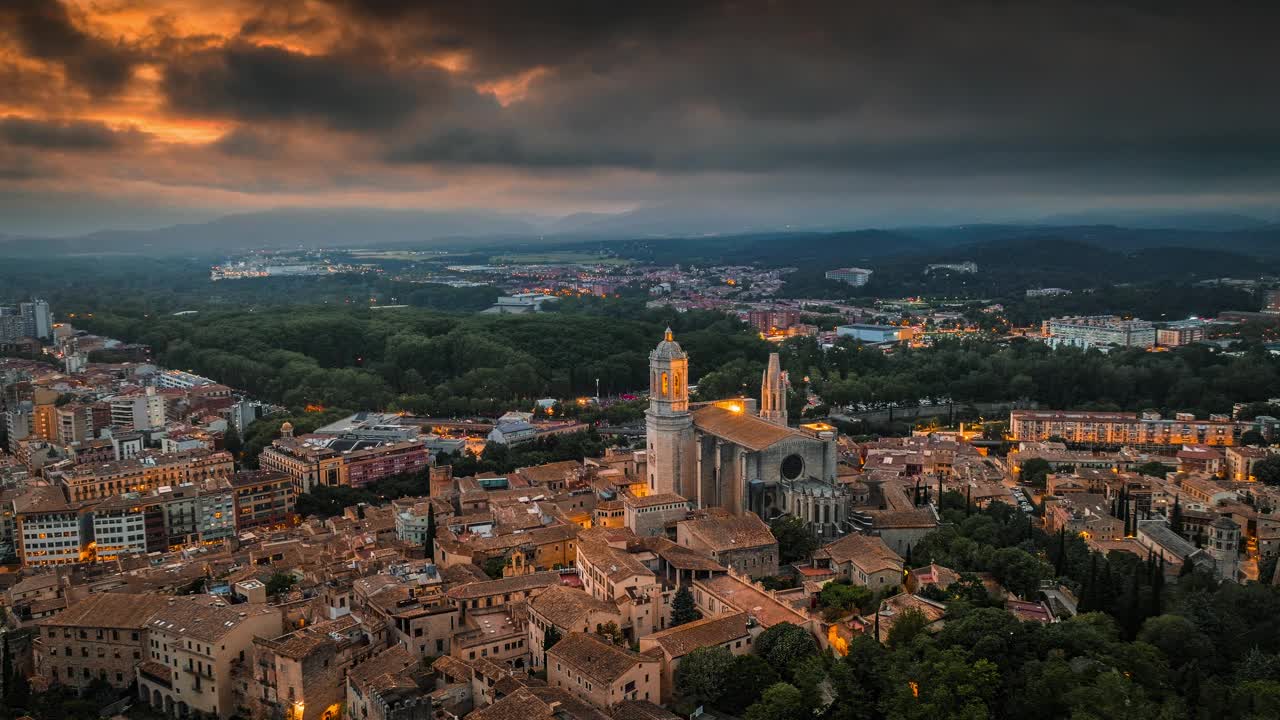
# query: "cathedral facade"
{"type": "Point", "coordinates": [722, 454]}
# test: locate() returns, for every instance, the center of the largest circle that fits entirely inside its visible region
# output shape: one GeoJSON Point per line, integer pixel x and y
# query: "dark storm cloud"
{"type": "Point", "coordinates": [506, 36]}
{"type": "Point", "coordinates": [462, 146]}
{"type": "Point", "coordinates": [44, 29]}
{"type": "Point", "coordinates": [247, 142]}
{"type": "Point", "coordinates": [254, 82]}
{"type": "Point", "coordinates": [65, 135]}
{"type": "Point", "coordinates": [932, 87]}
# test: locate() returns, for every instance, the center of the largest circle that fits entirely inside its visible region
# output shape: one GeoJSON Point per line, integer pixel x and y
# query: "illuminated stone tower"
{"type": "Point", "coordinates": [668, 424]}
{"type": "Point", "coordinates": [773, 393]}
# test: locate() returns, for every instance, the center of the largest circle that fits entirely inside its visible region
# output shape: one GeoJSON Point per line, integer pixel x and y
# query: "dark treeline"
{"type": "Point", "coordinates": [140, 286]}
{"type": "Point", "coordinates": [1197, 378]}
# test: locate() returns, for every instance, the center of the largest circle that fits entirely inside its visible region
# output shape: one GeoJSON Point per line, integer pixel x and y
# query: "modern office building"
{"type": "Point", "coordinates": [1099, 330]}
{"type": "Point", "coordinates": [1180, 333]}
{"type": "Point", "coordinates": [873, 333]}
{"type": "Point", "coordinates": [854, 276]}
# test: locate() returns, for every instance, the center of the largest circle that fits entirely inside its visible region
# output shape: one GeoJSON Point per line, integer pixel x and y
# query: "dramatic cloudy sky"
{"type": "Point", "coordinates": [131, 113]}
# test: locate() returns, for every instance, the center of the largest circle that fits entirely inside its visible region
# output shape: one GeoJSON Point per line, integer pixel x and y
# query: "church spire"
{"type": "Point", "coordinates": [773, 393]}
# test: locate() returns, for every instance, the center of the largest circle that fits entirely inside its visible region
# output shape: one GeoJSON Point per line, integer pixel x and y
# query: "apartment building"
{"type": "Point", "coordinates": [601, 673]}
{"type": "Point", "coordinates": [48, 530]}
{"type": "Point", "coordinates": [1099, 330]}
{"type": "Point", "coordinates": [145, 473]}
{"type": "Point", "coordinates": [1111, 429]}
{"type": "Point", "coordinates": [196, 645]}
{"type": "Point", "coordinates": [98, 638]}
{"type": "Point", "coordinates": [263, 498]}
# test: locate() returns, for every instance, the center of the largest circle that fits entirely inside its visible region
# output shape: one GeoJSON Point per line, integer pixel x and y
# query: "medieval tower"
{"type": "Point", "coordinates": [773, 393]}
{"type": "Point", "coordinates": [669, 426]}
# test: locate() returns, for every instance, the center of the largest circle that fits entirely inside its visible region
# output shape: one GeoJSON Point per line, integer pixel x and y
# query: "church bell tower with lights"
{"type": "Point", "coordinates": [669, 426]}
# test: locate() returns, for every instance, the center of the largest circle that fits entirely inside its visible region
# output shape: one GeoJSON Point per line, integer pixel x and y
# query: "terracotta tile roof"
{"type": "Point", "coordinates": [593, 657]}
{"type": "Point", "coordinates": [731, 533]}
{"type": "Point", "coordinates": [679, 557]}
{"type": "Point", "coordinates": [869, 553]}
{"type": "Point", "coordinates": [1029, 611]}
{"type": "Point", "coordinates": [922, 518]}
{"type": "Point", "coordinates": [566, 607]}
{"type": "Point", "coordinates": [741, 428]}
{"type": "Point", "coordinates": [935, 574]}
{"type": "Point", "coordinates": [538, 703]}
{"type": "Point", "coordinates": [617, 564]}
{"type": "Point", "coordinates": [537, 536]}
{"type": "Point", "coordinates": [550, 472]}
{"type": "Point", "coordinates": [204, 617]}
{"type": "Point", "coordinates": [517, 583]}
{"type": "Point", "coordinates": [652, 500]}
{"type": "Point", "coordinates": [109, 610]}
{"type": "Point", "coordinates": [707, 632]}
{"type": "Point", "coordinates": [390, 661]}
{"type": "Point", "coordinates": [745, 597]}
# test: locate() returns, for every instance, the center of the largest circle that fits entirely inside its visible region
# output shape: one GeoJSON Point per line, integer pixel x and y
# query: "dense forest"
{"type": "Point", "coordinates": [1197, 378]}
{"type": "Point", "coordinates": [436, 363]}
{"type": "Point", "coordinates": [429, 362]}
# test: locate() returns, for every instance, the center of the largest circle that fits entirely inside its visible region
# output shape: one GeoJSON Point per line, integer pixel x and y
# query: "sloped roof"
{"type": "Point", "coordinates": [594, 657]}
{"type": "Point", "coordinates": [741, 428]}
{"type": "Point", "coordinates": [707, 632]}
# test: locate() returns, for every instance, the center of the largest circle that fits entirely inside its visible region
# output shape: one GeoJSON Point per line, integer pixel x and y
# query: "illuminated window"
{"type": "Point", "coordinates": [666, 390]}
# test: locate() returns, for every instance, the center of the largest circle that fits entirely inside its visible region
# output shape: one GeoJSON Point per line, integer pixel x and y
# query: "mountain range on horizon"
{"type": "Point", "coordinates": [373, 227]}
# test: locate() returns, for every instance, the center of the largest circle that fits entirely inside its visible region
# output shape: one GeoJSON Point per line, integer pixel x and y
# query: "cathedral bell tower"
{"type": "Point", "coordinates": [773, 393]}
{"type": "Point", "coordinates": [668, 424]}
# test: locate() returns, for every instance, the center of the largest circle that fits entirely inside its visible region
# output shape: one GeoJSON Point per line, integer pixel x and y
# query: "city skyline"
{"type": "Point", "coordinates": [152, 112]}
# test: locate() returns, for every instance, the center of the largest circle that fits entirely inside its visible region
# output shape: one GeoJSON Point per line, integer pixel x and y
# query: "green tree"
{"type": "Point", "coordinates": [232, 442]}
{"type": "Point", "coordinates": [429, 538]}
{"type": "Point", "coordinates": [781, 701]}
{"type": "Point", "coordinates": [702, 674]}
{"type": "Point", "coordinates": [795, 539]}
{"type": "Point", "coordinates": [842, 597]}
{"type": "Point", "coordinates": [682, 607]}
{"type": "Point", "coordinates": [944, 685]}
{"type": "Point", "coordinates": [909, 625]}
{"type": "Point", "coordinates": [745, 682]}
{"type": "Point", "coordinates": [1035, 472]}
{"type": "Point", "coordinates": [280, 582]}
{"type": "Point", "coordinates": [493, 566]}
{"type": "Point", "coordinates": [785, 644]}
{"type": "Point", "coordinates": [1252, 437]}
{"type": "Point", "coordinates": [1154, 469]}
{"type": "Point", "coordinates": [550, 638]}
{"type": "Point", "coordinates": [1267, 470]}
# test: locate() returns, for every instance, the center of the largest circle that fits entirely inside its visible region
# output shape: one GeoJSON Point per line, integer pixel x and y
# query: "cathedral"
{"type": "Point", "coordinates": [723, 454]}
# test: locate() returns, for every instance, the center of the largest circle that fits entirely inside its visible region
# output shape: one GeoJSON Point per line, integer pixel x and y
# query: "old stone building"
{"type": "Point", "coordinates": [720, 454]}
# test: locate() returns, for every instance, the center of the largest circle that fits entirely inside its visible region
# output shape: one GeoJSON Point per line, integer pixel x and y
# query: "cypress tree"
{"type": "Point", "coordinates": [683, 609]}
{"type": "Point", "coordinates": [1175, 521]}
{"type": "Point", "coordinates": [1132, 606]}
{"type": "Point", "coordinates": [1157, 589]}
{"type": "Point", "coordinates": [6, 672]}
{"type": "Point", "coordinates": [1089, 595]}
{"type": "Point", "coordinates": [1060, 563]}
{"type": "Point", "coordinates": [429, 539]}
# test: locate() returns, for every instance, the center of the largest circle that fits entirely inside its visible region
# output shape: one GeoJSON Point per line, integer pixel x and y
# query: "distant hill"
{"type": "Point", "coordinates": [1161, 220]}
{"type": "Point", "coordinates": [284, 229]}
{"type": "Point", "coordinates": [689, 234]}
